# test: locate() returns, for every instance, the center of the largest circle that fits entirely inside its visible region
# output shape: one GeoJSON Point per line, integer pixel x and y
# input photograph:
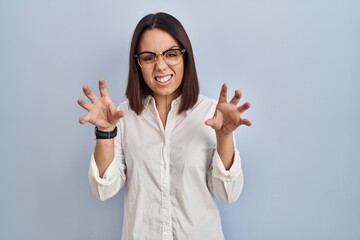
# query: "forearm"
{"type": "Point", "coordinates": [225, 149]}
{"type": "Point", "coordinates": [103, 154]}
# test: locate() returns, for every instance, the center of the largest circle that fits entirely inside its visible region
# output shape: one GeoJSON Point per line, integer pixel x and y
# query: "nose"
{"type": "Point", "coordinates": [160, 63]}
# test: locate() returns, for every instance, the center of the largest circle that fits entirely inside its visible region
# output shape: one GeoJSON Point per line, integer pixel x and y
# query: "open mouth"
{"type": "Point", "coordinates": [163, 79]}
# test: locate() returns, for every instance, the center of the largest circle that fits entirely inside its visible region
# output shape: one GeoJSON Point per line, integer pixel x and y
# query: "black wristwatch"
{"type": "Point", "coordinates": [105, 135]}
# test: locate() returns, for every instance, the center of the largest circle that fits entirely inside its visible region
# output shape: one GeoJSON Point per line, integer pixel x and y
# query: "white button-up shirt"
{"type": "Point", "coordinates": [170, 175]}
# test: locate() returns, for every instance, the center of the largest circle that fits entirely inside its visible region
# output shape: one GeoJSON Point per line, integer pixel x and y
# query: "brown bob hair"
{"type": "Point", "coordinates": [136, 88]}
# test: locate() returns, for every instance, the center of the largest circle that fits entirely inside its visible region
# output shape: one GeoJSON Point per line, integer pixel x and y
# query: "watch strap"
{"type": "Point", "coordinates": [105, 135]}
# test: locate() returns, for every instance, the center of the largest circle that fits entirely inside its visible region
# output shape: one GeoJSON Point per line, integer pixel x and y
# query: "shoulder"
{"type": "Point", "coordinates": [204, 101]}
{"type": "Point", "coordinates": [204, 106]}
{"type": "Point", "coordinates": [124, 106]}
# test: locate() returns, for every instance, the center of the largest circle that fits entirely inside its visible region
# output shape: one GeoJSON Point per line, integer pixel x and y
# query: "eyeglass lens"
{"type": "Point", "coordinates": [171, 57]}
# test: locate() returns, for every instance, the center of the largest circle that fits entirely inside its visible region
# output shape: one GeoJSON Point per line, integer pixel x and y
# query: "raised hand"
{"type": "Point", "coordinates": [101, 111]}
{"type": "Point", "coordinates": [227, 114]}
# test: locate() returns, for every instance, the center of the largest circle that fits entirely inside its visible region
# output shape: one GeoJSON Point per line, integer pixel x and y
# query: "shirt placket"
{"type": "Point", "coordinates": [165, 190]}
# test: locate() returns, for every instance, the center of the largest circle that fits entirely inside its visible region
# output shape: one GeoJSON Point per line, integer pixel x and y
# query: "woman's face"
{"type": "Point", "coordinates": [161, 78]}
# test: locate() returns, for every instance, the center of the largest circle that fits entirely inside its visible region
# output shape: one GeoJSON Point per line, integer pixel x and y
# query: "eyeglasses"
{"type": "Point", "coordinates": [171, 57]}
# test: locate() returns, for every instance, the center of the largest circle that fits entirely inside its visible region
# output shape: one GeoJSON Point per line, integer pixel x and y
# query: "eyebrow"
{"type": "Point", "coordinates": [173, 47]}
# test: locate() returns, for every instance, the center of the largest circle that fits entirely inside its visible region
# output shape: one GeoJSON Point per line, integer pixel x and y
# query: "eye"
{"type": "Point", "coordinates": [147, 57]}
{"type": "Point", "coordinates": [172, 54]}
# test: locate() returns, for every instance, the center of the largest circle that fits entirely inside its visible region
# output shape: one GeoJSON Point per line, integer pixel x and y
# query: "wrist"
{"type": "Point", "coordinates": [105, 133]}
{"type": "Point", "coordinates": [106, 129]}
{"type": "Point", "coordinates": [222, 136]}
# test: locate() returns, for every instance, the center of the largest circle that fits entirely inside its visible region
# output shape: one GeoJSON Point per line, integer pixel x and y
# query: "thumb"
{"type": "Point", "coordinates": [114, 115]}
{"type": "Point", "coordinates": [211, 123]}
{"type": "Point", "coordinates": [119, 114]}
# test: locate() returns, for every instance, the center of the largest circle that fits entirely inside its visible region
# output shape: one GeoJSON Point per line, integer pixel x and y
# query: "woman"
{"type": "Point", "coordinates": [172, 148]}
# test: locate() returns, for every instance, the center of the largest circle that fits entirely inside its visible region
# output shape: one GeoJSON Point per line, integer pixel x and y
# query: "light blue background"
{"type": "Point", "coordinates": [297, 62]}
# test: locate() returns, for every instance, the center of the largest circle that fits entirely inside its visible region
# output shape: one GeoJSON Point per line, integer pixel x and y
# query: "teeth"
{"type": "Point", "coordinates": [163, 79]}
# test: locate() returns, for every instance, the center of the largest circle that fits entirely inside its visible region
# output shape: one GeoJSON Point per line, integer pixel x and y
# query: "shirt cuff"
{"type": "Point", "coordinates": [108, 177]}
{"type": "Point", "coordinates": [221, 173]}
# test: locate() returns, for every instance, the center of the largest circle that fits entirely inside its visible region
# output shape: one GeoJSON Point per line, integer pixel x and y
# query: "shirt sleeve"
{"type": "Point", "coordinates": [114, 177]}
{"type": "Point", "coordinates": [226, 185]}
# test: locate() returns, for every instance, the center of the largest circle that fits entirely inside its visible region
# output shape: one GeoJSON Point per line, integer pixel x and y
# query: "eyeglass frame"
{"type": "Point", "coordinates": [182, 50]}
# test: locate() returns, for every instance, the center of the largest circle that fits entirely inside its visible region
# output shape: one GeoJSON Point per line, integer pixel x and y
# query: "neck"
{"type": "Point", "coordinates": [163, 105]}
{"type": "Point", "coordinates": [164, 101]}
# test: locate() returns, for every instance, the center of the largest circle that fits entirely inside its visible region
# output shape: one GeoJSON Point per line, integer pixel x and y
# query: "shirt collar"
{"type": "Point", "coordinates": [147, 100]}
{"type": "Point", "coordinates": [175, 103]}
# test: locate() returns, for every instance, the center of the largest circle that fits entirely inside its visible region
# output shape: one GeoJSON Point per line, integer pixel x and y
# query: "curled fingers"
{"type": "Point", "coordinates": [84, 104]}
{"type": "Point", "coordinates": [90, 95]}
{"type": "Point", "coordinates": [102, 88]}
{"type": "Point", "coordinates": [235, 100]}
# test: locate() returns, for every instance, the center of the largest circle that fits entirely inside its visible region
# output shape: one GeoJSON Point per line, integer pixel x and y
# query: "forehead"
{"type": "Point", "coordinates": [156, 40]}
